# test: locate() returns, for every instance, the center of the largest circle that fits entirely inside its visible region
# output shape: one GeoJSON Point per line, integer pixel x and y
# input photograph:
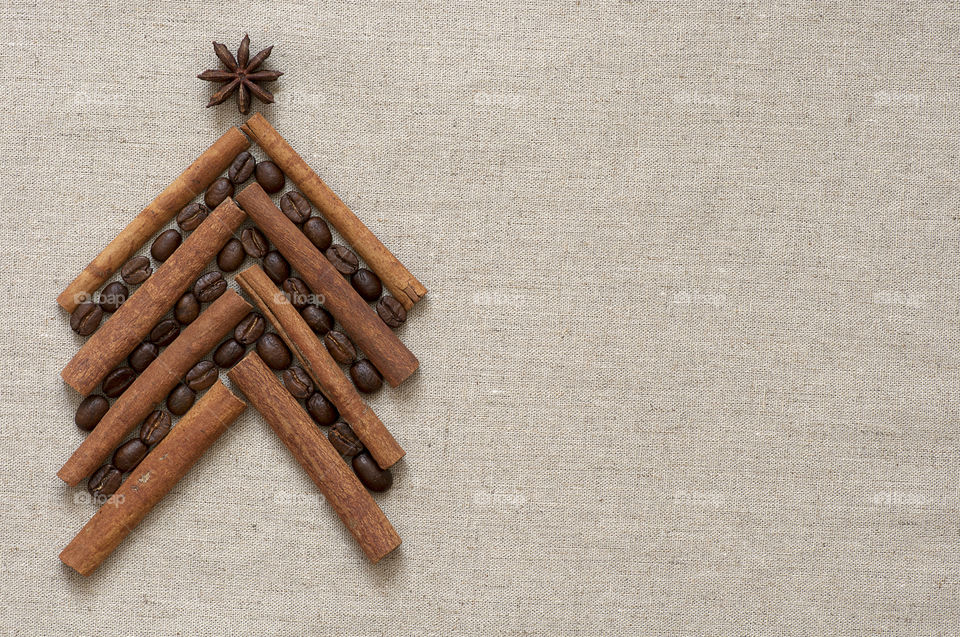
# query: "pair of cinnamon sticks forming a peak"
{"type": "Point", "coordinates": [218, 408]}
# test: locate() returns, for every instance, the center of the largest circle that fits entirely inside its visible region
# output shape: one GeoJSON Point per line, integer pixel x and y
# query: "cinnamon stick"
{"type": "Point", "coordinates": [153, 478]}
{"type": "Point", "coordinates": [402, 285]}
{"type": "Point", "coordinates": [193, 181]}
{"type": "Point", "coordinates": [351, 501]}
{"type": "Point", "coordinates": [153, 385]}
{"type": "Point", "coordinates": [130, 324]}
{"type": "Point", "coordinates": [316, 360]}
{"type": "Point", "coordinates": [368, 332]}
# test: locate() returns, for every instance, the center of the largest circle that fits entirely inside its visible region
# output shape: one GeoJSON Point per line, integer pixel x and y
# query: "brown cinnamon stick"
{"type": "Point", "coordinates": [402, 285]}
{"type": "Point", "coordinates": [153, 478]}
{"type": "Point", "coordinates": [130, 324]}
{"type": "Point", "coordinates": [316, 360]}
{"type": "Point", "coordinates": [368, 332]}
{"type": "Point", "coordinates": [153, 385]}
{"type": "Point", "coordinates": [193, 181]}
{"type": "Point", "coordinates": [351, 501]}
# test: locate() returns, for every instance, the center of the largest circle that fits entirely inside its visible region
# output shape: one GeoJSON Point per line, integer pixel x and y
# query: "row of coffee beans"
{"type": "Point", "coordinates": [181, 398]}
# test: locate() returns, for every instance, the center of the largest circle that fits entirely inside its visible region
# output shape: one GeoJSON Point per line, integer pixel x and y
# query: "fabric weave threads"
{"type": "Point", "coordinates": [688, 359]}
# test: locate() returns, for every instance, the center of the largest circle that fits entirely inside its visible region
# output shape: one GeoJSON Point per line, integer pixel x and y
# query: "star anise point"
{"type": "Point", "coordinates": [241, 75]}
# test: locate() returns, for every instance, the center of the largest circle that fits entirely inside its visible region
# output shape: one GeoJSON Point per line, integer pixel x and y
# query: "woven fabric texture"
{"type": "Point", "coordinates": [689, 357]}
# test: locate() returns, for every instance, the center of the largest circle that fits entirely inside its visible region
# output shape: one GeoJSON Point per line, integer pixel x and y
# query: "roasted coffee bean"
{"type": "Point", "coordinates": [165, 244]}
{"type": "Point", "coordinates": [273, 351]}
{"type": "Point", "coordinates": [165, 332]}
{"type": "Point", "coordinates": [180, 400]}
{"type": "Point", "coordinates": [155, 427]}
{"type": "Point", "coordinates": [209, 287]}
{"type": "Point", "coordinates": [190, 218]}
{"type": "Point", "coordinates": [340, 347]}
{"type": "Point", "coordinates": [117, 381]}
{"type": "Point", "coordinates": [322, 410]}
{"type": "Point", "coordinates": [276, 267]}
{"type": "Point", "coordinates": [296, 292]}
{"type": "Point", "coordinates": [295, 206]}
{"type": "Point", "coordinates": [317, 318]}
{"type": "Point", "coordinates": [250, 328]}
{"type": "Point", "coordinates": [269, 176]}
{"type": "Point", "coordinates": [231, 256]}
{"type": "Point", "coordinates": [371, 475]}
{"type": "Point", "coordinates": [218, 191]}
{"type": "Point", "coordinates": [391, 311]}
{"type": "Point", "coordinates": [86, 318]}
{"type": "Point", "coordinates": [229, 353]}
{"type": "Point", "coordinates": [112, 296]}
{"type": "Point", "coordinates": [201, 376]}
{"type": "Point", "coordinates": [343, 439]}
{"type": "Point", "coordinates": [187, 309]}
{"type": "Point", "coordinates": [318, 232]}
{"type": "Point", "coordinates": [241, 168]}
{"type": "Point", "coordinates": [365, 376]}
{"type": "Point", "coordinates": [129, 454]}
{"type": "Point", "coordinates": [91, 411]}
{"type": "Point", "coordinates": [343, 259]}
{"type": "Point", "coordinates": [142, 355]}
{"type": "Point", "coordinates": [104, 482]}
{"type": "Point", "coordinates": [254, 243]}
{"type": "Point", "coordinates": [136, 270]}
{"type": "Point", "coordinates": [367, 284]}
{"type": "Point", "coordinates": [298, 383]}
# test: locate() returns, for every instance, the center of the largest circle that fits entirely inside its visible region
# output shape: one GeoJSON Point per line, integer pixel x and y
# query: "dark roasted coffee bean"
{"type": "Point", "coordinates": [209, 287]}
{"type": "Point", "coordinates": [231, 256]}
{"type": "Point", "coordinates": [318, 232]}
{"type": "Point", "coordinates": [276, 267]}
{"type": "Point", "coordinates": [241, 168]}
{"type": "Point", "coordinates": [254, 243]}
{"type": "Point", "coordinates": [117, 381]}
{"type": "Point", "coordinates": [165, 244]}
{"type": "Point", "coordinates": [367, 284]}
{"type": "Point", "coordinates": [155, 427]}
{"type": "Point", "coordinates": [297, 292]}
{"type": "Point", "coordinates": [391, 311]}
{"type": "Point", "coordinates": [273, 351]}
{"type": "Point", "coordinates": [201, 376]}
{"type": "Point", "coordinates": [365, 376]}
{"type": "Point", "coordinates": [343, 259]}
{"type": "Point", "coordinates": [371, 475]}
{"type": "Point", "coordinates": [322, 410]}
{"type": "Point", "coordinates": [269, 176]}
{"type": "Point", "coordinates": [317, 318]}
{"type": "Point", "coordinates": [112, 296]}
{"type": "Point", "coordinates": [187, 309]}
{"type": "Point", "coordinates": [298, 383]}
{"type": "Point", "coordinates": [343, 439]}
{"type": "Point", "coordinates": [218, 191]}
{"type": "Point", "coordinates": [165, 332]}
{"type": "Point", "coordinates": [90, 411]}
{"type": "Point", "coordinates": [180, 400]}
{"type": "Point", "coordinates": [129, 454]}
{"type": "Point", "coordinates": [250, 328]}
{"type": "Point", "coordinates": [295, 206]}
{"type": "Point", "coordinates": [190, 218]}
{"type": "Point", "coordinates": [340, 347]}
{"type": "Point", "coordinates": [136, 270]}
{"type": "Point", "coordinates": [142, 355]}
{"type": "Point", "coordinates": [104, 482]}
{"type": "Point", "coordinates": [86, 318]}
{"type": "Point", "coordinates": [229, 353]}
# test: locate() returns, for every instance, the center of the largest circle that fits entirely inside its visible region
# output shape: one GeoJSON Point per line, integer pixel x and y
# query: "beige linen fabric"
{"type": "Point", "coordinates": [689, 356]}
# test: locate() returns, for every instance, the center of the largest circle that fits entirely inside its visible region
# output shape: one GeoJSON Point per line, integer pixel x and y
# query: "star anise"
{"type": "Point", "coordinates": [241, 75]}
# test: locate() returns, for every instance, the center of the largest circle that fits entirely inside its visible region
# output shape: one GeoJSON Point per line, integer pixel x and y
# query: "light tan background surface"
{"type": "Point", "coordinates": [689, 357]}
